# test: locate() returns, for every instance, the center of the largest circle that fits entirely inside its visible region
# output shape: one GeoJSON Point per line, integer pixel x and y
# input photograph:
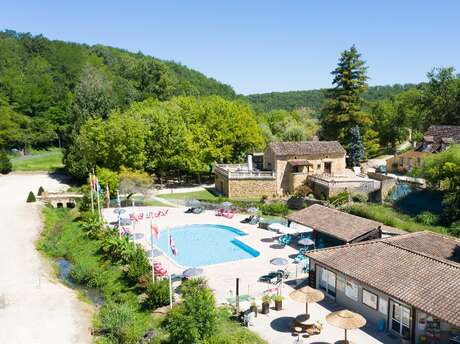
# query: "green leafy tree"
{"type": "Point", "coordinates": [442, 172]}
{"type": "Point", "coordinates": [344, 105]}
{"type": "Point", "coordinates": [356, 147]}
{"type": "Point", "coordinates": [5, 163]}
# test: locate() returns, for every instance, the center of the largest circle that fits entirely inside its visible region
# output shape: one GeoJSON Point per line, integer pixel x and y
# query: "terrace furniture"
{"type": "Point", "coordinates": [254, 220]}
{"type": "Point", "coordinates": [248, 219]}
{"type": "Point", "coordinates": [228, 214]}
{"type": "Point", "coordinates": [220, 211]}
{"type": "Point", "coordinates": [189, 210]}
{"type": "Point", "coordinates": [198, 210]}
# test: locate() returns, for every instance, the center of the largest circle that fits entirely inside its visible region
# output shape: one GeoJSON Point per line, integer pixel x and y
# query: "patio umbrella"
{"type": "Point", "coordinates": [306, 295]}
{"type": "Point", "coordinates": [227, 204]}
{"type": "Point", "coordinates": [279, 261]}
{"type": "Point", "coordinates": [193, 203]}
{"type": "Point", "coordinates": [153, 253]}
{"type": "Point", "coordinates": [119, 210]}
{"type": "Point", "coordinates": [278, 227]}
{"type": "Point", "coordinates": [347, 320]}
{"type": "Point", "coordinates": [252, 210]}
{"type": "Point", "coordinates": [287, 230]}
{"type": "Point", "coordinates": [192, 272]}
{"type": "Point", "coordinates": [306, 242]}
{"type": "Point", "coordinates": [125, 222]}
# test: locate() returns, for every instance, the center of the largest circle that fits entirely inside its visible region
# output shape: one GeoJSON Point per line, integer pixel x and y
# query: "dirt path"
{"type": "Point", "coordinates": [34, 307]}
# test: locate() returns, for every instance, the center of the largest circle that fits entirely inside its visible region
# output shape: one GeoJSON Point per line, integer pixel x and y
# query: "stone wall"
{"type": "Point", "coordinates": [387, 184]}
{"type": "Point", "coordinates": [406, 161]}
{"type": "Point", "coordinates": [296, 180]}
{"type": "Point", "coordinates": [221, 184]}
{"type": "Point", "coordinates": [251, 188]}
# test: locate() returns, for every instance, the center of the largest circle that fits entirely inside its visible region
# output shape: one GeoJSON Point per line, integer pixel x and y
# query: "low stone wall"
{"type": "Point", "coordinates": [251, 188]}
{"type": "Point", "coordinates": [387, 185]}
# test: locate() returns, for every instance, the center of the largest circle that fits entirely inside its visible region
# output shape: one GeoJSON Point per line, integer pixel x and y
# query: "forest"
{"type": "Point", "coordinates": [110, 108]}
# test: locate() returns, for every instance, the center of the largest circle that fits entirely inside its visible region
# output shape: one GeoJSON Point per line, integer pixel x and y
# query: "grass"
{"type": "Point", "coordinates": [390, 217]}
{"type": "Point", "coordinates": [204, 195]}
{"type": "Point", "coordinates": [120, 319]}
{"type": "Point", "coordinates": [45, 160]}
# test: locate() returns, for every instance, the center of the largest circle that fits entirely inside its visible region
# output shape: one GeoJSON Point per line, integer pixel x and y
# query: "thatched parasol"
{"type": "Point", "coordinates": [347, 320]}
{"type": "Point", "coordinates": [306, 295]}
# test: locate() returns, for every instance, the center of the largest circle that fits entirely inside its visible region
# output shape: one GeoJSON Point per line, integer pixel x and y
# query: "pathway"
{"type": "Point", "coordinates": [34, 308]}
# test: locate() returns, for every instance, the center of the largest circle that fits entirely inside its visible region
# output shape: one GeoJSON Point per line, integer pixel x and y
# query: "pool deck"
{"type": "Point", "coordinates": [274, 327]}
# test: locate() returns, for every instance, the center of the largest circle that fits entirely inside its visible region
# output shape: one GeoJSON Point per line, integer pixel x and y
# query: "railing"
{"type": "Point", "coordinates": [240, 171]}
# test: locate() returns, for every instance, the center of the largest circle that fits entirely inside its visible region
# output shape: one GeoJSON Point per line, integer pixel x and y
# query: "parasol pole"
{"type": "Point", "coordinates": [151, 250]}
{"type": "Point", "coordinates": [170, 281]}
{"type": "Point", "coordinates": [91, 187]}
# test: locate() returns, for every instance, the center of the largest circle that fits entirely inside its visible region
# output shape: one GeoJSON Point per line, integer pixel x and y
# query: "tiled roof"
{"type": "Point", "coordinates": [429, 243]}
{"type": "Point", "coordinates": [306, 147]}
{"type": "Point", "coordinates": [338, 224]}
{"type": "Point", "coordinates": [439, 132]}
{"type": "Point", "coordinates": [403, 270]}
{"type": "Point", "coordinates": [392, 230]}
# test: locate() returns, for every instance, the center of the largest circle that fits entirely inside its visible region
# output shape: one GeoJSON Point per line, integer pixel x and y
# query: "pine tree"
{"type": "Point", "coordinates": [31, 198]}
{"type": "Point", "coordinates": [343, 108]}
{"type": "Point", "coordinates": [5, 163]}
{"type": "Point", "coordinates": [356, 148]}
{"type": "Point", "coordinates": [40, 191]}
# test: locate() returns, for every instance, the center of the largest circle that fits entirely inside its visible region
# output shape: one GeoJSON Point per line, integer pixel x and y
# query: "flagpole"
{"type": "Point", "coordinates": [119, 209]}
{"type": "Point", "coordinates": [134, 221]}
{"type": "Point", "coordinates": [170, 281]}
{"type": "Point", "coordinates": [91, 187]}
{"type": "Point", "coordinates": [151, 250]}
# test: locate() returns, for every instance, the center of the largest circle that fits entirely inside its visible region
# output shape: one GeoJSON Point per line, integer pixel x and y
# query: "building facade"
{"type": "Point", "coordinates": [408, 285]}
{"type": "Point", "coordinates": [285, 167]}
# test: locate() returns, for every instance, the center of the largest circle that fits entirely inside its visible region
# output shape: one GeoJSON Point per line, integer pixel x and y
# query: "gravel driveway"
{"type": "Point", "coordinates": [34, 307]}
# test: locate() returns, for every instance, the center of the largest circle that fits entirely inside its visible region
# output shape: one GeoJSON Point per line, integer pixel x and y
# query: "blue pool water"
{"type": "Point", "coordinates": [200, 245]}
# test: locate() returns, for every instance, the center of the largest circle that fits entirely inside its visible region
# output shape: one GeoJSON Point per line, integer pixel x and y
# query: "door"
{"type": "Point", "coordinates": [400, 319]}
{"type": "Point", "coordinates": [327, 282]}
{"type": "Point", "coordinates": [328, 167]}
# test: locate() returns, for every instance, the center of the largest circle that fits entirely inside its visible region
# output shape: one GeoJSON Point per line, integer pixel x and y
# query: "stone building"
{"type": "Point", "coordinates": [285, 166]}
{"type": "Point", "coordinates": [436, 139]}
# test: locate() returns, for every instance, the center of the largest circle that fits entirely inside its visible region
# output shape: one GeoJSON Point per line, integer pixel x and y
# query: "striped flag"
{"type": "Point", "coordinates": [155, 230]}
{"type": "Point", "coordinates": [172, 245]}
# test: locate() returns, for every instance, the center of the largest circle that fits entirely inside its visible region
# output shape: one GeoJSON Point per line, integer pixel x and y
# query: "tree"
{"type": "Point", "coordinates": [442, 172]}
{"type": "Point", "coordinates": [195, 318]}
{"type": "Point", "coordinates": [31, 197]}
{"type": "Point", "coordinates": [356, 147]}
{"type": "Point", "coordinates": [344, 104]}
{"type": "Point", "coordinates": [5, 163]}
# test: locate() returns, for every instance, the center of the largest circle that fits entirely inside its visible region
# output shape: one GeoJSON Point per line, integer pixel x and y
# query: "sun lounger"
{"type": "Point", "coordinates": [189, 210]}
{"type": "Point", "coordinates": [254, 220]}
{"type": "Point", "coordinates": [198, 210]}
{"type": "Point", "coordinates": [248, 219]}
{"type": "Point", "coordinates": [229, 214]}
{"type": "Point", "coordinates": [220, 211]}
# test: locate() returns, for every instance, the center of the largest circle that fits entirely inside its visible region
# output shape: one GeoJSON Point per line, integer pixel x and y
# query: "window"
{"type": "Point", "coordinates": [370, 299]}
{"type": "Point", "coordinates": [327, 282]}
{"type": "Point", "coordinates": [351, 290]}
{"type": "Point", "coordinates": [400, 319]}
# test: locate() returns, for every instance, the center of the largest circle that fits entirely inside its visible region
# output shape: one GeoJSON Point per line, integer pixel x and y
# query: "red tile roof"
{"type": "Point", "coordinates": [413, 268]}
{"type": "Point", "coordinates": [306, 148]}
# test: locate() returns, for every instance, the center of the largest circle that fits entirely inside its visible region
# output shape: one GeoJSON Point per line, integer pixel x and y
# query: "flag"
{"type": "Point", "coordinates": [155, 230]}
{"type": "Point", "coordinates": [98, 186]}
{"type": "Point", "coordinates": [172, 246]}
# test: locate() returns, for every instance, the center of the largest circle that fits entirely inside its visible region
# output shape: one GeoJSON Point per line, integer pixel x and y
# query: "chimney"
{"type": "Point", "coordinates": [250, 162]}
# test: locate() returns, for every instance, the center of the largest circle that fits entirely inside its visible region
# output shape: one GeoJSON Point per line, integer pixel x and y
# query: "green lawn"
{"type": "Point", "coordinates": [390, 217]}
{"type": "Point", "coordinates": [46, 160]}
{"type": "Point", "coordinates": [204, 195]}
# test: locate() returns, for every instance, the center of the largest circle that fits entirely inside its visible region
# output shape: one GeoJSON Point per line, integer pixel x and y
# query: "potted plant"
{"type": "Point", "coordinates": [278, 302]}
{"type": "Point", "coordinates": [266, 299]}
{"type": "Point", "coordinates": [253, 307]}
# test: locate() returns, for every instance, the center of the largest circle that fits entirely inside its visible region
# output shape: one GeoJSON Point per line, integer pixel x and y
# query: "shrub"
{"type": "Point", "coordinates": [157, 294]}
{"type": "Point", "coordinates": [192, 286]}
{"type": "Point", "coordinates": [339, 199]}
{"type": "Point", "coordinates": [360, 198]}
{"type": "Point", "coordinates": [455, 229]}
{"type": "Point", "coordinates": [121, 323]}
{"type": "Point", "coordinates": [274, 209]}
{"type": "Point", "coordinates": [195, 319]}
{"type": "Point", "coordinates": [427, 218]}
{"type": "Point", "coordinates": [5, 163]}
{"type": "Point", "coordinates": [40, 191]}
{"type": "Point", "coordinates": [31, 198]}
{"type": "Point", "coordinates": [138, 265]}
{"type": "Point", "coordinates": [303, 191]}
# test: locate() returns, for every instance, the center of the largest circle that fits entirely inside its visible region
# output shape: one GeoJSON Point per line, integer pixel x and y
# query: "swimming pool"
{"type": "Point", "coordinates": [205, 244]}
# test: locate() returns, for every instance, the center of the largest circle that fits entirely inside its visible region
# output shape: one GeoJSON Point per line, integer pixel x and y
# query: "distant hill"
{"type": "Point", "coordinates": [314, 98]}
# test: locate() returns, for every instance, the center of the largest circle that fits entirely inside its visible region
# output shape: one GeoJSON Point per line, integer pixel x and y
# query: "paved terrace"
{"type": "Point", "coordinates": [273, 327]}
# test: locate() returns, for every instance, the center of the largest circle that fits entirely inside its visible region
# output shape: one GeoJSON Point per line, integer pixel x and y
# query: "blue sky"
{"type": "Point", "coordinates": [260, 46]}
